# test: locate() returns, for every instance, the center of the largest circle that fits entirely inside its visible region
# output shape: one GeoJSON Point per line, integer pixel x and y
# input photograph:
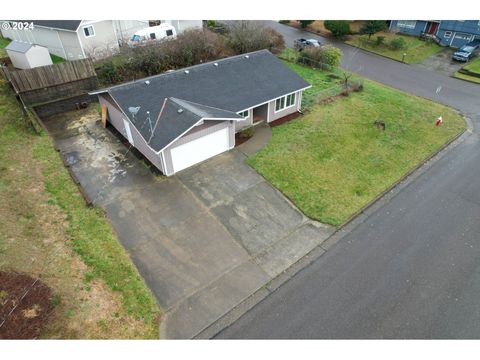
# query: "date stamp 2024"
{"type": "Point", "coordinates": [17, 25]}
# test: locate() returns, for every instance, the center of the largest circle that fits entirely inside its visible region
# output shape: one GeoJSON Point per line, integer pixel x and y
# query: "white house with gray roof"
{"type": "Point", "coordinates": [180, 118]}
{"type": "Point", "coordinates": [79, 39]}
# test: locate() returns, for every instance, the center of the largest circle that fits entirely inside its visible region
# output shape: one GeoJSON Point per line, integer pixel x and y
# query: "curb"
{"type": "Point", "coordinates": [356, 219]}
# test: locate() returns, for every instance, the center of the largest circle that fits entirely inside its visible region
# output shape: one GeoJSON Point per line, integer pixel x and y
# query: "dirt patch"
{"type": "Point", "coordinates": [25, 306]}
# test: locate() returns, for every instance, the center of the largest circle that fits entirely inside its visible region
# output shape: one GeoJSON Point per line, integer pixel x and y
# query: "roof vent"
{"type": "Point", "coordinates": [186, 71]}
{"type": "Point", "coordinates": [246, 56]}
{"type": "Point", "coordinates": [215, 64]}
{"type": "Point", "coordinates": [147, 82]}
{"type": "Point", "coordinates": [180, 111]}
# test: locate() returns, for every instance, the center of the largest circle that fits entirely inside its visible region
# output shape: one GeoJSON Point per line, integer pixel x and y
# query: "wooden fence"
{"type": "Point", "coordinates": [50, 75]}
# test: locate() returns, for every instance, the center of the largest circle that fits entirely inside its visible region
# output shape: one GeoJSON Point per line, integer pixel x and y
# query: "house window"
{"type": "Point", "coordinates": [284, 102]}
{"type": "Point", "coordinates": [244, 113]}
{"type": "Point", "coordinates": [463, 36]}
{"type": "Point", "coordinates": [152, 36]}
{"type": "Point", "coordinates": [169, 32]}
{"type": "Point", "coordinates": [447, 35]}
{"type": "Point", "coordinates": [89, 31]}
{"type": "Point", "coordinates": [408, 24]}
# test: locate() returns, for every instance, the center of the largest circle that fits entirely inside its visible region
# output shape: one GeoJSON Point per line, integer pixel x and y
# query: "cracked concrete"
{"type": "Point", "coordinates": [203, 240]}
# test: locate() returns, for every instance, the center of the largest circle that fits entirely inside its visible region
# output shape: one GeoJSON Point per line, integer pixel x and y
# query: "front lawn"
{"type": "Point", "coordinates": [333, 161]}
{"type": "Point", "coordinates": [415, 49]}
{"type": "Point", "coordinates": [472, 67]}
{"type": "Point", "coordinates": [47, 231]}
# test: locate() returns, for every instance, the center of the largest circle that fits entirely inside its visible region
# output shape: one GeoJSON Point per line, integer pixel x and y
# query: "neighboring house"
{"type": "Point", "coordinates": [183, 25]}
{"type": "Point", "coordinates": [453, 33]}
{"type": "Point", "coordinates": [77, 39]}
{"type": "Point", "coordinates": [27, 56]}
{"type": "Point", "coordinates": [180, 118]}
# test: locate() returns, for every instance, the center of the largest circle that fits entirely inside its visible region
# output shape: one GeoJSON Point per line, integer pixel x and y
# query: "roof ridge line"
{"type": "Point", "coordinates": [195, 103]}
{"type": "Point", "coordinates": [169, 72]}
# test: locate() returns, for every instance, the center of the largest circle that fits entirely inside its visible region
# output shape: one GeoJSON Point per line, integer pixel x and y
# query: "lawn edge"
{"type": "Point", "coordinates": [455, 76]}
{"type": "Point", "coordinates": [359, 217]}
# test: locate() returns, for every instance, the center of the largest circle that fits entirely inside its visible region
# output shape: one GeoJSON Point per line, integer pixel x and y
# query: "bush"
{"type": "Point", "coordinates": [338, 28]}
{"type": "Point", "coordinates": [397, 43]}
{"type": "Point", "coordinates": [284, 22]}
{"type": "Point", "coordinates": [107, 73]}
{"type": "Point", "coordinates": [305, 23]}
{"type": "Point", "coordinates": [373, 26]}
{"type": "Point", "coordinates": [211, 23]}
{"type": "Point", "coordinates": [246, 133]}
{"type": "Point", "coordinates": [325, 56]}
{"type": "Point", "coordinates": [380, 40]}
{"type": "Point", "coordinates": [247, 36]}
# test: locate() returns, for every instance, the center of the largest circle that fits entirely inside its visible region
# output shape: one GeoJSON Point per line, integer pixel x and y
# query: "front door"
{"type": "Point", "coordinates": [432, 28]}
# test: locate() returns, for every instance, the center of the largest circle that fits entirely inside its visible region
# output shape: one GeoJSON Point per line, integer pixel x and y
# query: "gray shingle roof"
{"type": "Point", "coordinates": [177, 117]}
{"type": "Point", "coordinates": [18, 46]}
{"type": "Point", "coordinates": [71, 25]}
{"type": "Point", "coordinates": [230, 85]}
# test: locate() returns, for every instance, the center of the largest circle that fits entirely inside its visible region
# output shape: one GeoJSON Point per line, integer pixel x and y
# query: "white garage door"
{"type": "Point", "coordinates": [200, 149]}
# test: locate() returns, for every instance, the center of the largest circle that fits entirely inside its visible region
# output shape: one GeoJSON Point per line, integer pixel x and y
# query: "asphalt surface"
{"type": "Point", "coordinates": [411, 269]}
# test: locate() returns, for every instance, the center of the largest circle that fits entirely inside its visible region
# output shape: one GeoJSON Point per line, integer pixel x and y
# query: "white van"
{"type": "Point", "coordinates": [153, 33]}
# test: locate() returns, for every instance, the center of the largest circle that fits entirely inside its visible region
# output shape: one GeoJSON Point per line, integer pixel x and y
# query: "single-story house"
{"type": "Point", "coordinates": [183, 117]}
{"type": "Point", "coordinates": [454, 33]}
{"type": "Point", "coordinates": [80, 39]}
{"type": "Point", "coordinates": [27, 56]}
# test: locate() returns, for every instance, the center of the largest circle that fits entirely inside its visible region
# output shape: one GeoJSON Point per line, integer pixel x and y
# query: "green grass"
{"type": "Point", "coordinates": [333, 161]}
{"type": "Point", "coordinates": [92, 236]}
{"type": "Point", "coordinates": [3, 44]}
{"type": "Point", "coordinates": [415, 49]}
{"type": "Point", "coordinates": [29, 161]}
{"type": "Point", "coordinates": [474, 79]}
{"type": "Point", "coordinates": [474, 67]}
{"type": "Point", "coordinates": [57, 59]}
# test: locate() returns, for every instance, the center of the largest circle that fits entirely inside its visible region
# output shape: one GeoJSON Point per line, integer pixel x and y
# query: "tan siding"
{"type": "Point", "coordinates": [115, 117]}
{"type": "Point", "coordinates": [272, 115]}
{"type": "Point", "coordinates": [104, 43]}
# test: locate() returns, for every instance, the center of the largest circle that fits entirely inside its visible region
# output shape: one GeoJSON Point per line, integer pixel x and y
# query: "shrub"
{"type": "Point", "coordinates": [373, 26]}
{"type": "Point", "coordinates": [397, 43]}
{"type": "Point", "coordinates": [211, 23]}
{"type": "Point", "coordinates": [325, 56]}
{"type": "Point", "coordinates": [284, 21]}
{"type": "Point", "coordinates": [305, 23]}
{"type": "Point", "coordinates": [338, 28]}
{"type": "Point", "coordinates": [246, 133]}
{"type": "Point", "coordinates": [107, 73]}
{"type": "Point", "coordinates": [247, 36]}
{"type": "Point", "coordinates": [380, 40]}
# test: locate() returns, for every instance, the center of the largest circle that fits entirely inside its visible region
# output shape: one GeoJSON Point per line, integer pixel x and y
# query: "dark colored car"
{"type": "Point", "coordinates": [467, 51]}
{"type": "Point", "coordinates": [300, 44]}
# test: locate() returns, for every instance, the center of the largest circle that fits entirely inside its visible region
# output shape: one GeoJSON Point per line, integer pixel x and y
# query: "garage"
{"type": "Point", "coordinates": [200, 149]}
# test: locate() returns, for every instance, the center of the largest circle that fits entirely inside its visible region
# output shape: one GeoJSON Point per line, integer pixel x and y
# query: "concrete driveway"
{"type": "Point", "coordinates": [203, 240]}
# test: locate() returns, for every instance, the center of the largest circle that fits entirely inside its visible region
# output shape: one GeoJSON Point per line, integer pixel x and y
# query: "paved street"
{"type": "Point", "coordinates": [412, 268]}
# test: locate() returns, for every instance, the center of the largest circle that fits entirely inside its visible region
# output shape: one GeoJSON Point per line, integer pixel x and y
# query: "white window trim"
{"type": "Point", "coordinates": [447, 34]}
{"type": "Point", "coordinates": [247, 111]}
{"type": "Point", "coordinates": [463, 36]}
{"type": "Point", "coordinates": [93, 29]}
{"type": "Point", "coordinates": [400, 24]}
{"type": "Point", "coordinates": [285, 107]}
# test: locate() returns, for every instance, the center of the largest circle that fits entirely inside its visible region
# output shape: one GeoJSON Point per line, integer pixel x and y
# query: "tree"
{"type": "Point", "coordinates": [305, 23]}
{"type": "Point", "coordinates": [247, 36]}
{"type": "Point", "coordinates": [373, 26]}
{"type": "Point", "coordinates": [338, 28]}
{"type": "Point", "coordinates": [322, 57]}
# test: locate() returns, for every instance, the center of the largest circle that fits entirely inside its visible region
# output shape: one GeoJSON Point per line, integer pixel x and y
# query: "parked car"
{"type": "Point", "coordinates": [152, 34]}
{"type": "Point", "coordinates": [300, 44]}
{"type": "Point", "coordinates": [467, 51]}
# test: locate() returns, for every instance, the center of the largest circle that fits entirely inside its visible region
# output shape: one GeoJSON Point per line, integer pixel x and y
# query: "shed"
{"type": "Point", "coordinates": [26, 56]}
